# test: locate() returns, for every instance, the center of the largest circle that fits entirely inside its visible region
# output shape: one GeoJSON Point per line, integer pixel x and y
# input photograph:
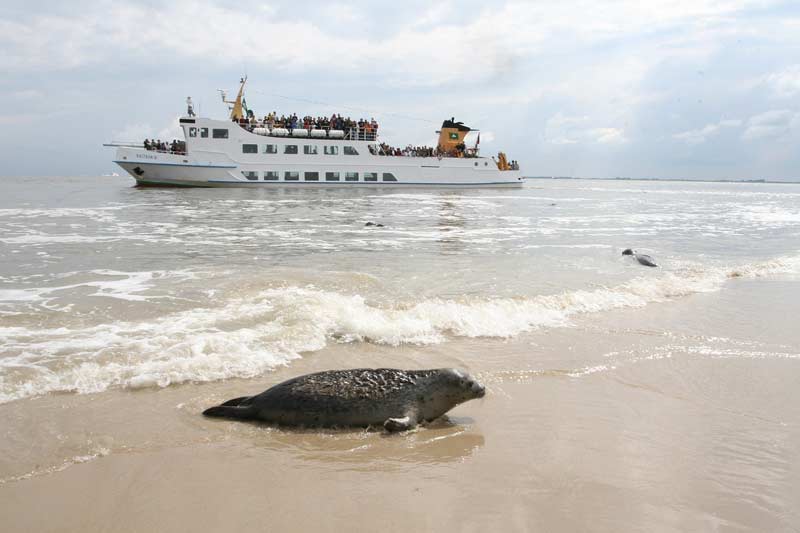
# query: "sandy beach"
{"type": "Point", "coordinates": [611, 425]}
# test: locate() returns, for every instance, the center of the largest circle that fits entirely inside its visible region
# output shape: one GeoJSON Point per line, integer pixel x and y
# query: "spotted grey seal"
{"type": "Point", "coordinates": [643, 259]}
{"type": "Point", "coordinates": [397, 399]}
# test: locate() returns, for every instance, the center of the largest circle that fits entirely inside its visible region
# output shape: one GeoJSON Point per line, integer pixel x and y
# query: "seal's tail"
{"type": "Point", "coordinates": [243, 400]}
{"type": "Point", "coordinates": [226, 411]}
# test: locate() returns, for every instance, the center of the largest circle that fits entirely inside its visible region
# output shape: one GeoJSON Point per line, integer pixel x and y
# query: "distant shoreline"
{"type": "Point", "coordinates": [796, 182]}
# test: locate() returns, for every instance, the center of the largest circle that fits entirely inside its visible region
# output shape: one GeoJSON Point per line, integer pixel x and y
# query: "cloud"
{"type": "Point", "coordinates": [770, 125]}
{"type": "Point", "coordinates": [139, 132]}
{"type": "Point", "coordinates": [565, 130]}
{"type": "Point", "coordinates": [26, 94]}
{"type": "Point", "coordinates": [433, 47]}
{"type": "Point", "coordinates": [487, 137]}
{"type": "Point", "coordinates": [701, 135]}
{"type": "Point", "coordinates": [607, 135]}
{"type": "Point", "coordinates": [785, 83]}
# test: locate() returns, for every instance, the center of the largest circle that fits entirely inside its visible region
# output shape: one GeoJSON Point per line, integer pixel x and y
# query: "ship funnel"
{"type": "Point", "coordinates": [451, 136]}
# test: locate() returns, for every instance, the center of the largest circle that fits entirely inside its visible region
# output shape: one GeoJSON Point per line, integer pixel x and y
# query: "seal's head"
{"type": "Point", "coordinates": [462, 384]}
{"type": "Point", "coordinates": [627, 251]}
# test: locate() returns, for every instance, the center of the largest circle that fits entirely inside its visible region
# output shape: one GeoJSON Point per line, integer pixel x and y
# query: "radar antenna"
{"type": "Point", "coordinates": [224, 95]}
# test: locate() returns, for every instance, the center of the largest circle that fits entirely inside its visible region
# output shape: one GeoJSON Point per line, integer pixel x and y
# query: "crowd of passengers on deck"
{"type": "Point", "coordinates": [408, 151]}
{"type": "Point", "coordinates": [174, 147]}
{"type": "Point", "coordinates": [362, 129]}
{"type": "Point", "coordinates": [460, 150]}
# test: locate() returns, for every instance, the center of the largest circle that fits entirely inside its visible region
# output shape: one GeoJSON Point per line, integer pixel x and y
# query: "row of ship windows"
{"type": "Point", "coordinates": [308, 149]}
{"type": "Point", "coordinates": [272, 175]}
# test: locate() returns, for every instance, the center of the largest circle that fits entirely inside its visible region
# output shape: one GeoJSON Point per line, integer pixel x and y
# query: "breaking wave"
{"type": "Point", "coordinates": [246, 337]}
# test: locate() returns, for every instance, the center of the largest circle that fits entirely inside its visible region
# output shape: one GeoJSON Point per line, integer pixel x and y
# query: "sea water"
{"type": "Point", "coordinates": [103, 285]}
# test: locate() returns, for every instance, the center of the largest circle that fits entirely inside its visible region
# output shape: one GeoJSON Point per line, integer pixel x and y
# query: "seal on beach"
{"type": "Point", "coordinates": [396, 399]}
{"type": "Point", "coordinates": [643, 259]}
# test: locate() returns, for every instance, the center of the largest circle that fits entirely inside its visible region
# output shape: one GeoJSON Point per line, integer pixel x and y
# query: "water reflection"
{"type": "Point", "coordinates": [442, 441]}
{"type": "Point", "coordinates": [450, 221]}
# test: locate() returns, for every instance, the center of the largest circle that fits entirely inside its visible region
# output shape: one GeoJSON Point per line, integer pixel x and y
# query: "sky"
{"type": "Point", "coordinates": [702, 89]}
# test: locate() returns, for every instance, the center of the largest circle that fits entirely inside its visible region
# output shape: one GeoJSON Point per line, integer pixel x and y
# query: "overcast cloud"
{"type": "Point", "coordinates": [679, 89]}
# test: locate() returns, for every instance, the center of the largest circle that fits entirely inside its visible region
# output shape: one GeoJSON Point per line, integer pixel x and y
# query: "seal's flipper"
{"type": "Point", "coordinates": [225, 411]}
{"type": "Point", "coordinates": [398, 424]}
{"type": "Point", "coordinates": [237, 401]}
{"type": "Point", "coordinates": [401, 424]}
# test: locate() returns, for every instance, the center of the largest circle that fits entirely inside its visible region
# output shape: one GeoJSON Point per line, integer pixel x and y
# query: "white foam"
{"type": "Point", "coordinates": [248, 336]}
{"type": "Point", "coordinates": [129, 287]}
{"type": "Point", "coordinates": [95, 453]}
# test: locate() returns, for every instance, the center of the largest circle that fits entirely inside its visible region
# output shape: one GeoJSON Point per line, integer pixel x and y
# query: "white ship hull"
{"type": "Point", "coordinates": [319, 162]}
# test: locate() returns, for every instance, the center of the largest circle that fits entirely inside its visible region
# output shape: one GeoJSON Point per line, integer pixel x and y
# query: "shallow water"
{"type": "Point", "coordinates": [621, 397]}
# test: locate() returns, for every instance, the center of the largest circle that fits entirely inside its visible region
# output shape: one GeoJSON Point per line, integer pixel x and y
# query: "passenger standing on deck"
{"type": "Point", "coordinates": [189, 106]}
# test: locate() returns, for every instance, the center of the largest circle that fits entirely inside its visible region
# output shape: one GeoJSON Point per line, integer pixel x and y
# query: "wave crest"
{"type": "Point", "coordinates": [245, 337]}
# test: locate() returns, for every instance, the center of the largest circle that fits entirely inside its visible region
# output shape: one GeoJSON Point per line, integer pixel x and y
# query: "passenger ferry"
{"type": "Point", "coordinates": [245, 152]}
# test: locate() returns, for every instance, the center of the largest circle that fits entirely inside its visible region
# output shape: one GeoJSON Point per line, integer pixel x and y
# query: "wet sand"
{"type": "Point", "coordinates": [681, 416]}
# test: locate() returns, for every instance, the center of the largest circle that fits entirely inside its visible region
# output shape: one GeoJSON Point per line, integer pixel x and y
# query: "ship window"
{"type": "Point", "coordinates": [192, 132]}
{"type": "Point", "coordinates": [331, 176]}
{"type": "Point", "coordinates": [290, 149]}
{"type": "Point", "coordinates": [312, 176]}
{"type": "Point", "coordinates": [388, 176]}
{"type": "Point", "coordinates": [270, 148]}
{"type": "Point", "coordinates": [331, 150]}
{"type": "Point", "coordinates": [291, 176]}
{"type": "Point", "coordinates": [270, 175]}
{"type": "Point", "coordinates": [219, 133]}
{"type": "Point", "coordinates": [204, 133]}
{"type": "Point", "coordinates": [370, 176]}
{"type": "Point", "coordinates": [310, 149]}
{"type": "Point", "coordinates": [250, 174]}
{"type": "Point", "coordinates": [249, 148]}
{"type": "Point", "coordinates": [351, 176]}
{"type": "Point", "coordinates": [349, 150]}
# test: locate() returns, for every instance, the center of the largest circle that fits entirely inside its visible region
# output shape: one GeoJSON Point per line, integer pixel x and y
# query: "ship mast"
{"type": "Point", "coordinates": [236, 110]}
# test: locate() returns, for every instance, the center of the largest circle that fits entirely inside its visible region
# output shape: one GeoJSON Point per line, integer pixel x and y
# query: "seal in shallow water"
{"type": "Point", "coordinates": [643, 259]}
{"type": "Point", "coordinates": [397, 399]}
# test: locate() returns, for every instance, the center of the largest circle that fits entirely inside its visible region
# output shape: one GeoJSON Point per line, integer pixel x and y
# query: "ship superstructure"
{"type": "Point", "coordinates": [244, 151]}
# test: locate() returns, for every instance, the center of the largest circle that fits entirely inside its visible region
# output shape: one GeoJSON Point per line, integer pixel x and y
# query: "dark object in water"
{"type": "Point", "coordinates": [396, 399]}
{"type": "Point", "coordinates": [368, 224]}
{"type": "Point", "coordinates": [643, 259]}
